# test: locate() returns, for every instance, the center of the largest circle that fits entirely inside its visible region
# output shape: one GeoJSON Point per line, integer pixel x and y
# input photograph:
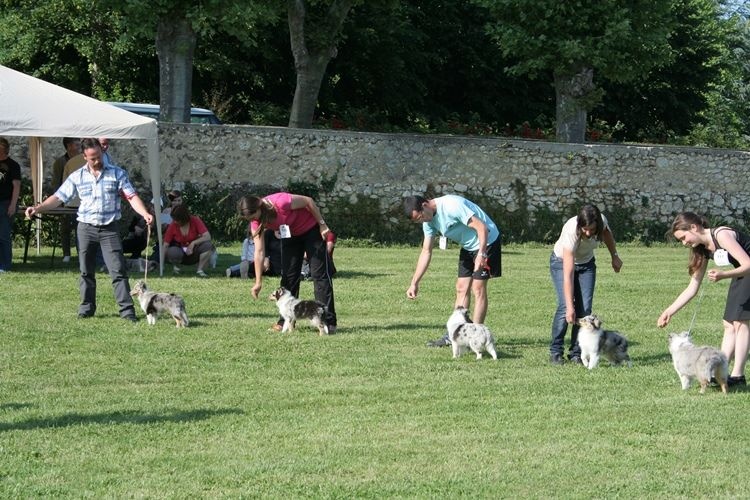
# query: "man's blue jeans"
{"type": "Point", "coordinates": [584, 280]}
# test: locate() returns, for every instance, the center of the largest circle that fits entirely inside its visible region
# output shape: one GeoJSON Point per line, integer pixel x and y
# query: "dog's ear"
{"type": "Point", "coordinates": [597, 323]}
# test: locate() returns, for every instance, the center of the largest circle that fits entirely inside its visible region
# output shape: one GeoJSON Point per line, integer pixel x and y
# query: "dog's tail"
{"type": "Point", "coordinates": [183, 314]}
{"type": "Point", "coordinates": [718, 368]}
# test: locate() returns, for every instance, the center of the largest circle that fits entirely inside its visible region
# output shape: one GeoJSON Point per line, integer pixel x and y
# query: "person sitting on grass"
{"type": "Point", "coordinates": [188, 241]}
{"type": "Point", "coordinates": [271, 262]}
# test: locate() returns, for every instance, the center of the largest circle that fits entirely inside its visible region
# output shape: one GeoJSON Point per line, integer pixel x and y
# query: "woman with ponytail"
{"type": "Point", "coordinates": [725, 246]}
{"type": "Point", "coordinates": [300, 225]}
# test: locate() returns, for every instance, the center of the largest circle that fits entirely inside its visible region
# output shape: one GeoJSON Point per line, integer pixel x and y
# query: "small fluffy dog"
{"type": "Point", "coordinates": [596, 342]}
{"type": "Point", "coordinates": [702, 363]}
{"type": "Point", "coordinates": [463, 333]}
{"type": "Point", "coordinates": [291, 309]}
{"type": "Point", "coordinates": [154, 303]}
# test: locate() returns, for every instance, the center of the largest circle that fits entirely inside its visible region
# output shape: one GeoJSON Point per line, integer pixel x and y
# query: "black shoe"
{"type": "Point", "coordinates": [441, 342]}
{"type": "Point", "coordinates": [130, 318]}
{"type": "Point", "coordinates": [556, 359]}
{"type": "Point", "coordinates": [84, 316]}
{"type": "Point", "coordinates": [736, 381]}
{"type": "Point", "coordinates": [576, 360]}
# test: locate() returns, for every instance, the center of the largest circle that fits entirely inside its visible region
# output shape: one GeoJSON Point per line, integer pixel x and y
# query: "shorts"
{"type": "Point", "coordinates": [494, 267]}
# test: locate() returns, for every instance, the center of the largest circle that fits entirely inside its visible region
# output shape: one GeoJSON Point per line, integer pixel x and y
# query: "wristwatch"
{"type": "Point", "coordinates": [322, 222]}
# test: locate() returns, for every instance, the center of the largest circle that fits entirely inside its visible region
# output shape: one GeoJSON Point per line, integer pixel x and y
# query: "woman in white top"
{"type": "Point", "coordinates": [572, 266]}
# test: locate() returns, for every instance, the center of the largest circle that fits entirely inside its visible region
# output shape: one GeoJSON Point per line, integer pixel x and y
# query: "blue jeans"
{"type": "Point", "coordinates": [584, 280]}
{"type": "Point", "coordinates": [6, 237]}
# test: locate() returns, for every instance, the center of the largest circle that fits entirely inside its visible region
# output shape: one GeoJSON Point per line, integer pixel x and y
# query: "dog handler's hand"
{"type": "Point", "coordinates": [412, 292]}
{"type": "Point", "coordinates": [663, 319]}
{"type": "Point", "coordinates": [616, 263]}
{"type": "Point", "coordinates": [715, 275]}
{"type": "Point", "coordinates": [255, 291]}
{"type": "Point", "coordinates": [570, 316]}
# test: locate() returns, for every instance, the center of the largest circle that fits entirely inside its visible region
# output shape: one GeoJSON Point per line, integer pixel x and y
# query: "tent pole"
{"type": "Point", "coordinates": [36, 156]}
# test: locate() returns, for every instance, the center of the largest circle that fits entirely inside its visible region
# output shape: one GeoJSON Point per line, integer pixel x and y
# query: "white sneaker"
{"type": "Point", "coordinates": [175, 269]}
{"type": "Point", "coordinates": [201, 274]}
{"type": "Point", "coordinates": [66, 259]}
{"type": "Point", "coordinates": [3, 271]}
{"type": "Point", "coordinates": [229, 273]}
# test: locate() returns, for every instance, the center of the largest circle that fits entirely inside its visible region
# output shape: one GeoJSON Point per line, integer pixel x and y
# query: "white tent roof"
{"type": "Point", "coordinates": [33, 108]}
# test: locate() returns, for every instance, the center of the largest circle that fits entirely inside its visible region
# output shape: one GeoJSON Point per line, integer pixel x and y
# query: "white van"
{"type": "Point", "coordinates": [197, 115]}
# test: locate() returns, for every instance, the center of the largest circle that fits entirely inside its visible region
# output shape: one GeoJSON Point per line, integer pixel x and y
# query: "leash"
{"type": "Point", "coordinates": [697, 308]}
{"type": "Point", "coordinates": [148, 244]}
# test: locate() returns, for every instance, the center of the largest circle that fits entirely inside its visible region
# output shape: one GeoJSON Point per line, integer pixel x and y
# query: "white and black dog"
{"type": "Point", "coordinates": [154, 303]}
{"type": "Point", "coordinates": [596, 342]}
{"type": "Point", "coordinates": [291, 309]}
{"type": "Point", "coordinates": [463, 333]}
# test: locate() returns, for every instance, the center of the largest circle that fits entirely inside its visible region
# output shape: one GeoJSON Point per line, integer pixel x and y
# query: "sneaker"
{"type": "Point", "coordinates": [84, 316]}
{"type": "Point", "coordinates": [66, 259]}
{"type": "Point", "coordinates": [556, 358]}
{"type": "Point", "coordinates": [229, 273]}
{"type": "Point", "coordinates": [441, 342]}
{"type": "Point", "coordinates": [731, 381]}
{"type": "Point", "coordinates": [201, 274]}
{"type": "Point", "coordinates": [130, 318]}
{"type": "Point", "coordinates": [3, 271]}
{"type": "Point", "coordinates": [175, 269]}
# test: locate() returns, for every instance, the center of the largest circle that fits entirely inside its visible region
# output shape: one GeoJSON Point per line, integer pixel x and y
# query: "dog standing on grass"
{"type": "Point", "coordinates": [596, 342]}
{"type": "Point", "coordinates": [691, 361]}
{"type": "Point", "coordinates": [465, 334]}
{"type": "Point", "coordinates": [154, 303]}
{"type": "Point", "coordinates": [291, 309]}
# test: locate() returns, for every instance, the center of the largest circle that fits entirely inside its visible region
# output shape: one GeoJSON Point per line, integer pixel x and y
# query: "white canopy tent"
{"type": "Point", "coordinates": [33, 108]}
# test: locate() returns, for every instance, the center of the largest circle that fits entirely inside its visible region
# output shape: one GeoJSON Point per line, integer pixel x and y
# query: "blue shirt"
{"type": "Point", "coordinates": [451, 217]}
{"type": "Point", "coordinates": [100, 197]}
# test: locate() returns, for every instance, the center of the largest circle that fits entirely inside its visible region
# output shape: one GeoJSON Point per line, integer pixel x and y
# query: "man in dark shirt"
{"type": "Point", "coordinates": [10, 189]}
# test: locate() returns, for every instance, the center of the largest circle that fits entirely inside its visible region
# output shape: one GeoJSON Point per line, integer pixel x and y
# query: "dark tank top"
{"type": "Point", "coordinates": [742, 239]}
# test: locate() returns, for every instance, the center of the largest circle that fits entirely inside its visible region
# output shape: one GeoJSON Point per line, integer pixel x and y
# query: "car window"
{"type": "Point", "coordinates": [200, 116]}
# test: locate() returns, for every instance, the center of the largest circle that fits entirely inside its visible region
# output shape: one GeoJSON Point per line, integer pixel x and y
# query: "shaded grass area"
{"type": "Point", "coordinates": [225, 408]}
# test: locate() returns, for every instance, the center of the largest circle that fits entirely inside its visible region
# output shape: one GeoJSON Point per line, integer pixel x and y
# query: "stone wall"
{"type": "Point", "coordinates": [654, 182]}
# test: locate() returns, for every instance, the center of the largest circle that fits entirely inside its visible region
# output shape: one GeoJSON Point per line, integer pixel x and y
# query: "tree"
{"type": "Point", "coordinates": [66, 43]}
{"type": "Point", "coordinates": [668, 101]}
{"type": "Point", "coordinates": [574, 41]}
{"type": "Point", "coordinates": [176, 26]}
{"type": "Point", "coordinates": [427, 63]}
{"type": "Point", "coordinates": [314, 32]}
{"type": "Point", "coordinates": [725, 121]}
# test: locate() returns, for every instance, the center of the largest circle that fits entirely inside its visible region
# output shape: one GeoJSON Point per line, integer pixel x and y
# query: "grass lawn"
{"type": "Point", "coordinates": [105, 408]}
